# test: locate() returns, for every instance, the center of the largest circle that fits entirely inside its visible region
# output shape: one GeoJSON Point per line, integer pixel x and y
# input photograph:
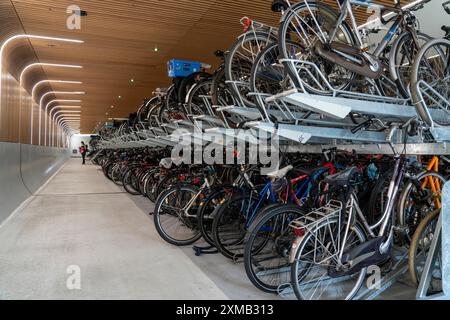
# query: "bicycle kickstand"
{"type": "Point", "coordinates": [204, 250]}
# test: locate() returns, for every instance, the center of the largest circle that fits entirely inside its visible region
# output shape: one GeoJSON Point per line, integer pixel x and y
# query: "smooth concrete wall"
{"type": "Point", "coordinates": [39, 164]}
{"type": "Point", "coordinates": [23, 170]}
{"type": "Point", "coordinates": [12, 190]}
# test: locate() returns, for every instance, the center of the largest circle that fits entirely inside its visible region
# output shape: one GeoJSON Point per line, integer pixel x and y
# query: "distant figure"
{"type": "Point", "coordinates": [83, 151]}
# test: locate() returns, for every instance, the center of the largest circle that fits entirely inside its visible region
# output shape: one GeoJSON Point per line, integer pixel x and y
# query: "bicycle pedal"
{"type": "Point", "coordinates": [386, 266]}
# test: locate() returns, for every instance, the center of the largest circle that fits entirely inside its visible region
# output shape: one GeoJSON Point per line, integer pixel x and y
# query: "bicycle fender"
{"type": "Point", "coordinates": [294, 248]}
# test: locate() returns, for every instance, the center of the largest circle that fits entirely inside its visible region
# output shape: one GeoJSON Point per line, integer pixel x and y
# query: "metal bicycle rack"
{"type": "Point", "coordinates": [439, 254]}
{"type": "Point", "coordinates": [327, 125]}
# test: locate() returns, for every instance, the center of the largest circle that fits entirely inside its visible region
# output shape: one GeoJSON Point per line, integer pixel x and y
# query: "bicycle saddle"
{"type": "Point", "coordinates": [219, 53]}
{"type": "Point", "coordinates": [446, 29]}
{"type": "Point", "coordinates": [343, 178]}
{"type": "Point", "coordinates": [278, 174]}
{"type": "Point", "coordinates": [279, 5]}
{"type": "Point", "coordinates": [166, 163]}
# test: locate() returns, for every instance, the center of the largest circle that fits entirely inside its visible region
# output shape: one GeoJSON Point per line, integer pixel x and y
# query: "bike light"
{"type": "Point", "coordinates": [299, 232]}
{"type": "Point", "coordinates": [247, 24]}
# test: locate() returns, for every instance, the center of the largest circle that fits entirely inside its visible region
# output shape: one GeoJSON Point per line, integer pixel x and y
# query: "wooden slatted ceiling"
{"type": "Point", "coordinates": [120, 36]}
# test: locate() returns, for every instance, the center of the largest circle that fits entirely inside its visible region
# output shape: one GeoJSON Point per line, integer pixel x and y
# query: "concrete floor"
{"type": "Point", "coordinates": [82, 219]}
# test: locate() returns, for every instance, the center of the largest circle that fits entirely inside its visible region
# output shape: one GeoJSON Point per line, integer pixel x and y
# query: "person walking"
{"type": "Point", "coordinates": [83, 151]}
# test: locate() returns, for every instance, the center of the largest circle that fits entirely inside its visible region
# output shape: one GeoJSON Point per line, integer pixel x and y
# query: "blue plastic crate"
{"type": "Point", "coordinates": [182, 68]}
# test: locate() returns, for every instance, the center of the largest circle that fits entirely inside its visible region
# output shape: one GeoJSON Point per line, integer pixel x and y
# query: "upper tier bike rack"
{"type": "Point", "coordinates": [303, 122]}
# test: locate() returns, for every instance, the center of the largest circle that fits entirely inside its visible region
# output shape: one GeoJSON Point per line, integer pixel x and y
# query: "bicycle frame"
{"type": "Point", "coordinates": [301, 193]}
{"type": "Point", "coordinates": [188, 206]}
{"type": "Point", "coordinates": [346, 10]}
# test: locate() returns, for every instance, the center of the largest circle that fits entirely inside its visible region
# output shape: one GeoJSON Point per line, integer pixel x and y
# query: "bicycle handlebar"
{"type": "Point", "coordinates": [446, 6]}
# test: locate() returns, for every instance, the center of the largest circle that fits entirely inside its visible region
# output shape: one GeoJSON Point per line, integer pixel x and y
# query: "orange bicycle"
{"type": "Point", "coordinates": [421, 195]}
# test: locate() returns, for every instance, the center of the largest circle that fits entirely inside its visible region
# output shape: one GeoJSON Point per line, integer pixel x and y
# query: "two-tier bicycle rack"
{"type": "Point", "coordinates": [327, 125]}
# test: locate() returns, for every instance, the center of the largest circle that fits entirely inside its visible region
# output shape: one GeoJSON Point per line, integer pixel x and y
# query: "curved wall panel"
{"type": "Point", "coordinates": [24, 168]}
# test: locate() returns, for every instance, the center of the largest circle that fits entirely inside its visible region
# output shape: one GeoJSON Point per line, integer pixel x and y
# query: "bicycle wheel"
{"type": "Point", "coordinates": [418, 252]}
{"type": "Point", "coordinates": [430, 82]}
{"type": "Point", "coordinates": [198, 101]}
{"type": "Point", "coordinates": [116, 175]}
{"type": "Point", "coordinates": [230, 224]}
{"type": "Point", "coordinates": [170, 110]}
{"type": "Point", "coordinates": [221, 95]}
{"type": "Point", "coordinates": [239, 62]}
{"type": "Point", "coordinates": [165, 183]}
{"type": "Point", "coordinates": [269, 76]}
{"type": "Point", "coordinates": [267, 247]}
{"type": "Point", "coordinates": [153, 116]}
{"type": "Point", "coordinates": [175, 216]}
{"type": "Point", "coordinates": [317, 256]}
{"type": "Point", "coordinates": [206, 213]}
{"type": "Point", "coordinates": [401, 59]}
{"type": "Point", "coordinates": [151, 184]}
{"type": "Point", "coordinates": [307, 24]}
{"type": "Point", "coordinates": [190, 81]}
{"type": "Point", "coordinates": [130, 182]}
{"type": "Point", "coordinates": [420, 198]}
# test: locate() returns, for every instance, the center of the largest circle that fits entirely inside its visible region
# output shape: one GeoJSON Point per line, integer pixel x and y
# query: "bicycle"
{"type": "Point", "coordinates": [430, 80]}
{"type": "Point", "coordinates": [335, 53]}
{"type": "Point", "coordinates": [336, 243]}
{"type": "Point", "coordinates": [175, 213]}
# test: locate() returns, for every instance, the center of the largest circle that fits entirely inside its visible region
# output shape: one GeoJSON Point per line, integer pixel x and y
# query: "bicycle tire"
{"type": "Point", "coordinates": [394, 65]}
{"type": "Point", "coordinates": [189, 81]}
{"type": "Point", "coordinates": [403, 216]}
{"type": "Point", "coordinates": [231, 59]}
{"type": "Point", "coordinates": [127, 182]}
{"type": "Point", "coordinates": [157, 218]}
{"type": "Point", "coordinates": [294, 268]}
{"type": "Point", "coordinates": [414, 247]}
{"type": "Point", "coordinates": [283, 37]}
{"type": "Point", "coordinates": [204, 224]}
{"type": "Point", "coordinates": [416, 95]}
{"type": "Point", "coordinates": [263, 218]}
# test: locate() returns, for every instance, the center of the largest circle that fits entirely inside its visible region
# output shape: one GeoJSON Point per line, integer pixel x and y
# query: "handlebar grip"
{"type": "Point", "coordinates": [446, 6]}
{"type": "Point", "coordinates": [385, 11]}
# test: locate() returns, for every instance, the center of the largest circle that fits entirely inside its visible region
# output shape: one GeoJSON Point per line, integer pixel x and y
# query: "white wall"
{"type": "Point", "coordinates": [431, 18]}
{"type": "Point", "coordinates": [75, 143]}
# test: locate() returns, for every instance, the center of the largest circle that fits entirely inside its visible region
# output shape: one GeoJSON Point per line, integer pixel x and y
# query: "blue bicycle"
{"type": "Point", "coordinates": [247, 204]}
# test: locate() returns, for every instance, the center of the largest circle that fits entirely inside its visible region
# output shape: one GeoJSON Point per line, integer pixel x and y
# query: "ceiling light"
{"type": "Point", "coordinates": [28, 36]}
{"type": "Point", "coordinates": [156, 49]}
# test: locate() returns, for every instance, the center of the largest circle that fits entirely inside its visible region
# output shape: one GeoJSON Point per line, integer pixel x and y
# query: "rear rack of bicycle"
{"type": "Point", "coordinates": [308, 221]}
{"type": "Point", "coordinates": [303, 122]}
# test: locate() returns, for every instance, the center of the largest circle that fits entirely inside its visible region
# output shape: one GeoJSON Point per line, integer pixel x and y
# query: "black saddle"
{"type": "Point", "coordinates": [219, 54]}
{"type": "Point", "coordinates": [343, 178]}
{"type": "Point", "coordinates": [446, 29]}
{"type": "Point", "coordinates": [279, 6]}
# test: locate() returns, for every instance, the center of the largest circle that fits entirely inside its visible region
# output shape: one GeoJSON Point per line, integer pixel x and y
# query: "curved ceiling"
{"type": "Point", "coordinates": [120, 37]}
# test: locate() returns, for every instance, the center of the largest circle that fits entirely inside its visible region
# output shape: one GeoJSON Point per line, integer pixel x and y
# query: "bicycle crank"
{"type": "Point", "coordinates": [351, 58]}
